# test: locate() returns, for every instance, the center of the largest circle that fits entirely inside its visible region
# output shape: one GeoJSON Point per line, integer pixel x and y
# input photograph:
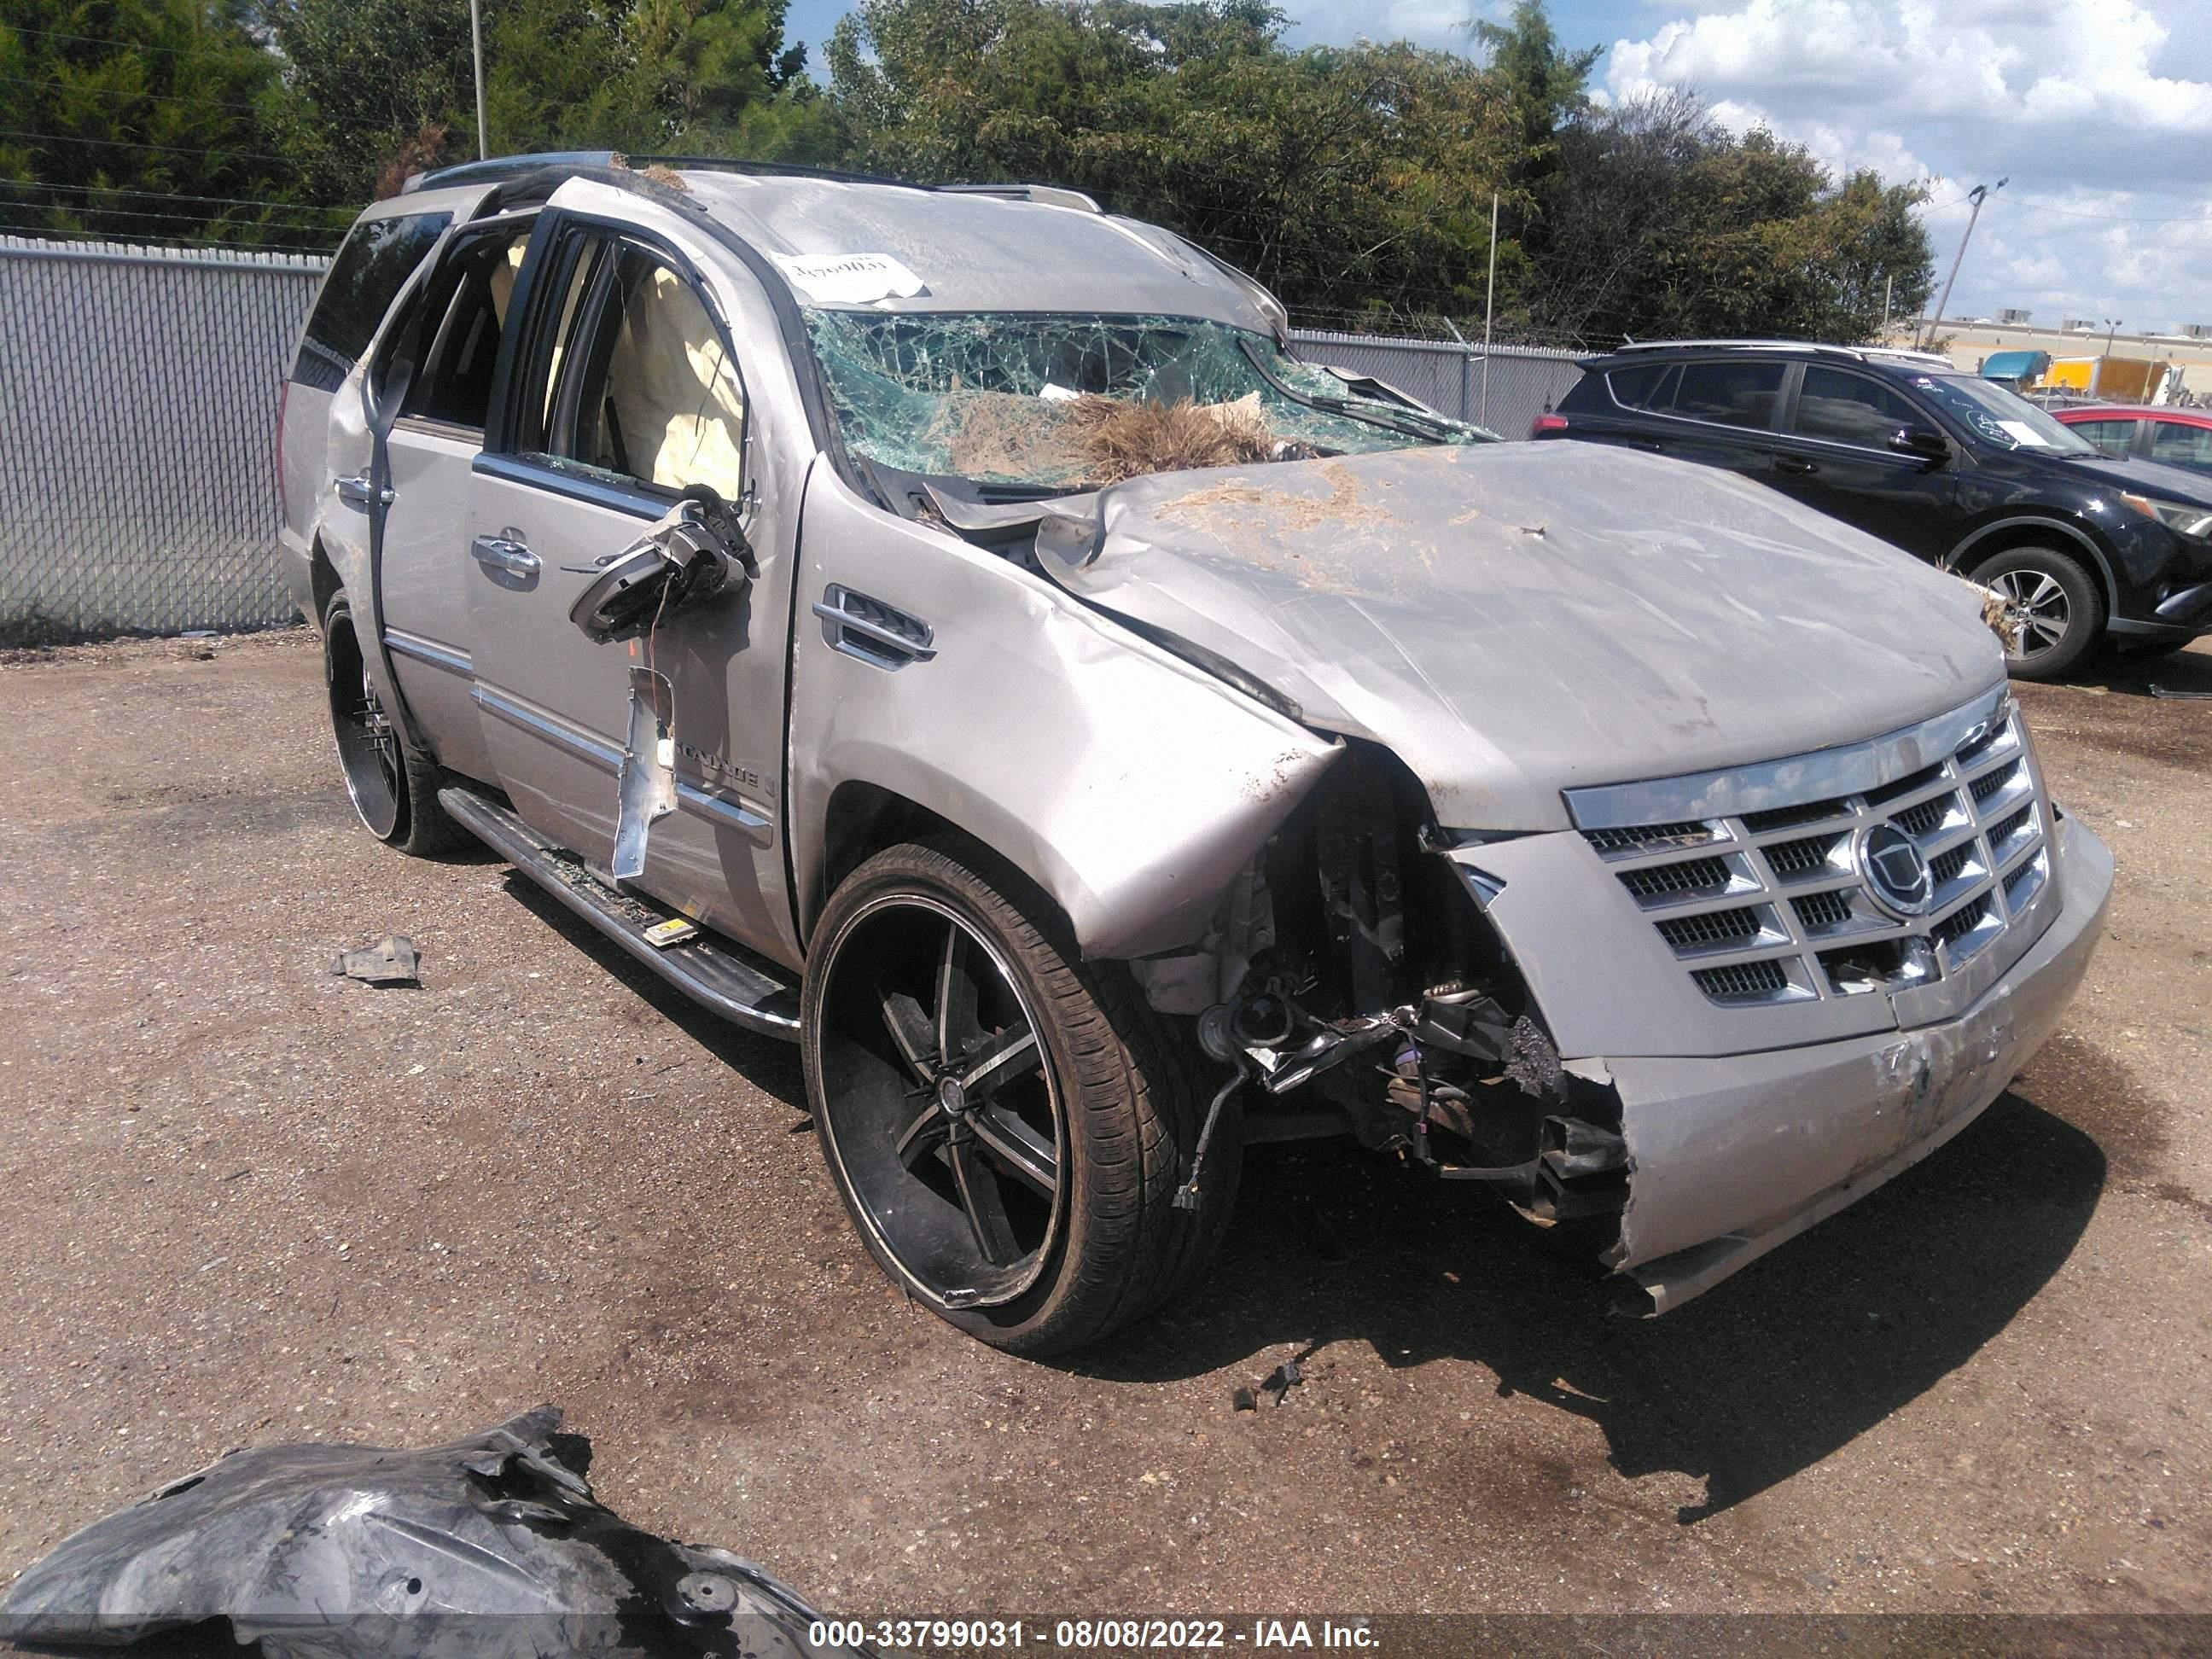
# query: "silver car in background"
{"type": "Point", "coordinates": [948, 629]}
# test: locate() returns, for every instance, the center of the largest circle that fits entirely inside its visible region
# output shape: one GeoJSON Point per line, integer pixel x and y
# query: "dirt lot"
{"type": "Point", "coordinates": [242, 1200]}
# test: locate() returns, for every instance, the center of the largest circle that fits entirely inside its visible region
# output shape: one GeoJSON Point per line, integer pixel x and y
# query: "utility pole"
{"type": "Point", "coordinates": [475, 43]}
{"type": "Point", "coordinates": [1489, 306]}
{"type": "Point", "coordinates": [1977, 196]}
{"type": "Point", "coordinates": [1888, 283]}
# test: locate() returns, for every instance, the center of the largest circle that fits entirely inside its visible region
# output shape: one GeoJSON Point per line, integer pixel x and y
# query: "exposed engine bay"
{"type": "Point", "coordinates": [1350, 966]}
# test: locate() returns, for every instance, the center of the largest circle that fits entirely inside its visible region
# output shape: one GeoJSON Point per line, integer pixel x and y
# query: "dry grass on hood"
{"type": "Point", "coordinates": [1119, 440]}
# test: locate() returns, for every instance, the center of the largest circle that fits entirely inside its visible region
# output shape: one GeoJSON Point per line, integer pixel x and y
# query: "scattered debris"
{"type": "Point", "coordinates": [2004, 618]}
{"type": "Point", "coordinates": [659, 172]}
{"type": "Point", "coordinates": [1279, 1383]}
{"type": "Point", "coordinates": [390, 961]}
{"type": "Point", "coordinates": [492, 1547]}
{"type": "Point", "coordinates": [2176, 694]}
{"type": "Point", "coordinates": [1119, 438]}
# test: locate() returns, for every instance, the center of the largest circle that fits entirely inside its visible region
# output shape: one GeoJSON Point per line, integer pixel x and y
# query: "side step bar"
{"type": "Point", "coordinates": [712, 976]}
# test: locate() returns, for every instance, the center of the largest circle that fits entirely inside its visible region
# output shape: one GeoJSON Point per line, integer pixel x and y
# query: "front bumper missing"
{"type": "Point", "coordinates": [1732, 1157]}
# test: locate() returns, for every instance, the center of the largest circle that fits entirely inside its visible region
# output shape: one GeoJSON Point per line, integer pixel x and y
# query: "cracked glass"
{"type": "Point", "coordinates": [1015, 398]}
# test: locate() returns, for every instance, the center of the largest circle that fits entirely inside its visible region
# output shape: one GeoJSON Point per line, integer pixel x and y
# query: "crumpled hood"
{"type": "Point", "coordinates": [1516, 619]}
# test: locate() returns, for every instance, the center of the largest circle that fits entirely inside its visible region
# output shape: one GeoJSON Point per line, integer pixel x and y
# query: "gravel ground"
{"type": "Point", "coordinates": [242, 1200]}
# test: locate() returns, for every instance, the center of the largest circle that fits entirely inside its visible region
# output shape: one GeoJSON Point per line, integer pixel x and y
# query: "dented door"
{"type": "Point", "coordinates": [624, 389]}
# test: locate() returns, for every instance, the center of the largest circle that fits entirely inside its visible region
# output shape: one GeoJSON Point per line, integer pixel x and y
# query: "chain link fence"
{"type": "Point", "coordinates": [1504, 388]}
{"type": "Point", "coordinates": [138, 397]}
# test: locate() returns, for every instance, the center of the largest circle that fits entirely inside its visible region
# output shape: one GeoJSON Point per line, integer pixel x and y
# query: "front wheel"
{"type": "Point", "coordinates": [1006, 1123]}
{"type": "Point", "coordinates": [2056, 604]}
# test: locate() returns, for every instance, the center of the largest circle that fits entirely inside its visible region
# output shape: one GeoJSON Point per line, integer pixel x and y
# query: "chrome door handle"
{"type": "Point", "coordinates": [358, 492]}
{"type": "Point", "coordinates": [1794, 463]}
{"type": "Point", "coordinates": [497, 553]}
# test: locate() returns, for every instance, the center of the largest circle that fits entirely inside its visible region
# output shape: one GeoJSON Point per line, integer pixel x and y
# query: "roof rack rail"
{"type": "Point", "coordinates": [1048, 195]}
{"type": "Point", "coordinates": [1908, 354]}
{"type": "Point", "coordinates": [1743, 344]}
{"type": "Point", "coordinates": [495, 169]}
{"type": "Point", "coordinates": [1819, 348]}
{"type": "Point", "coordinates": [498, 168]}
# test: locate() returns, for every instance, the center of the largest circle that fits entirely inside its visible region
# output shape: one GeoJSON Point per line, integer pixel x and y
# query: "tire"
{"type": "Point", "coordinates": [1024, 1194]}
{"type": "Point", "coordinates": [2062, 603]}
{"type": "Point", "coordinates": [393, 789]}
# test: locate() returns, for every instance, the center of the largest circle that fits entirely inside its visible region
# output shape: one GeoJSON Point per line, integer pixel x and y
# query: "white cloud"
{"type": "Point", "coordinates": [1437, 23]}
{"type": "Point", "coordinates": [2103, 109]}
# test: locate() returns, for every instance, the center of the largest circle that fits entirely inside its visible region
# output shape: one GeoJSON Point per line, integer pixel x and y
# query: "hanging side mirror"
{"type": "Point", "coordinates": [695, 552]}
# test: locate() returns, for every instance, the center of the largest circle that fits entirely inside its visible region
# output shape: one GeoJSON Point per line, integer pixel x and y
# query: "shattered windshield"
{"type": "Point", "coordinates": [1067, 402]}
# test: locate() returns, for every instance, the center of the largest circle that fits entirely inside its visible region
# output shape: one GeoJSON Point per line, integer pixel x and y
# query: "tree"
{"type": "Point", "coordinates": [1549, 86]}
{"type": "Point", "coordinates": [1658, 221]}
{"type": "Point", "coordinates": [1351, 179]}
{"type": "Point", "coordinates": [372, 82]}
{"type": "Point", "coordinates": [366, 80]}
{"type": "Point", "coordinates": [656, 76]}
{"type": "Point", "coordinates": [150, 123]}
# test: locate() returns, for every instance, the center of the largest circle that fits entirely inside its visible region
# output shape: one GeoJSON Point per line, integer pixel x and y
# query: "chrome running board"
{"type": "Point", "coordinates": [709, 971]}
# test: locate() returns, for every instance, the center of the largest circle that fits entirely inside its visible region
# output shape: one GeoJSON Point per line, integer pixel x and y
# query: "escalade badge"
{"type": "Point", "coordinates": [1895, 871]}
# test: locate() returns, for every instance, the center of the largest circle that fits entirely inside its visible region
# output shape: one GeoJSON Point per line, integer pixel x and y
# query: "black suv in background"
{"type": "Point", "coordinates": [1948, 467]}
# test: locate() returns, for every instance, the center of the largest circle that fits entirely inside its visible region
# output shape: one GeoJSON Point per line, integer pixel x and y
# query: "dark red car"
{"type": "Point", "coordinates": [2178, 437]}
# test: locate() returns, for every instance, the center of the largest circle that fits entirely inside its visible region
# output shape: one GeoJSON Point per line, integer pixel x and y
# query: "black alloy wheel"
{"type": "Point", "coordinates": [1006, 1123]}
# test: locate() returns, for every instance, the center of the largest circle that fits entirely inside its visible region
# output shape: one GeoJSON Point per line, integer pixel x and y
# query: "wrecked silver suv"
{"type": "Point", "coordinates": [948, 629]}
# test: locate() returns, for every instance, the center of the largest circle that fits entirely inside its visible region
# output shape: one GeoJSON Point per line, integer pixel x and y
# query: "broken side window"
{"type": "Point", "coordinates": [379, 256]}
{"type": "Point", "coordinates": [645, 392]}
{"type": "Point", "coordinates": [455, 382]}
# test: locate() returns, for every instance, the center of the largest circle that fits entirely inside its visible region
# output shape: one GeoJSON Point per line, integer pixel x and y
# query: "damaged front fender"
{"type": "Point", "coordinates": [1131, 785]}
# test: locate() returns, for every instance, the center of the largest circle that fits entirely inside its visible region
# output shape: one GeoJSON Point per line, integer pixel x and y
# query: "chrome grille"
{"type": "Point", "coordinates": [1771, 906]}
{"type": "Point", "coordinates": [1664, 881]}
{"type": "Point", "coordinates": [1745, 981]}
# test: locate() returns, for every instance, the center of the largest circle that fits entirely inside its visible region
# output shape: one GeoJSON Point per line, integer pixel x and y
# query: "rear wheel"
{"type": "Point", "coordinates": [1007, 1124]}
{"type": "Point", "coordinates": [2057, 604]}
{"type": "Point", "coordinates": [394, 789]}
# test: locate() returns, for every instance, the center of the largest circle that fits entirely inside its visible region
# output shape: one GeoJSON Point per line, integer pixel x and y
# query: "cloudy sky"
{"type": "Point", "coordinates": [2097, 111]}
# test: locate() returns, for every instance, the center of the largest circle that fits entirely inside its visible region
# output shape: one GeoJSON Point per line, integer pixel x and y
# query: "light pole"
{"type": "Point", "coordinates": [1977, 196]}
{"type": "Point", "coordinates": [1489, 307]}
{"type": "Point", "coordinates": [476, 43]}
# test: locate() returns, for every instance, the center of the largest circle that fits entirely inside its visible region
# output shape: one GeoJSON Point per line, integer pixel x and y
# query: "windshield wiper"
{"type": "Point", "coordinates": [1408, 422]}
